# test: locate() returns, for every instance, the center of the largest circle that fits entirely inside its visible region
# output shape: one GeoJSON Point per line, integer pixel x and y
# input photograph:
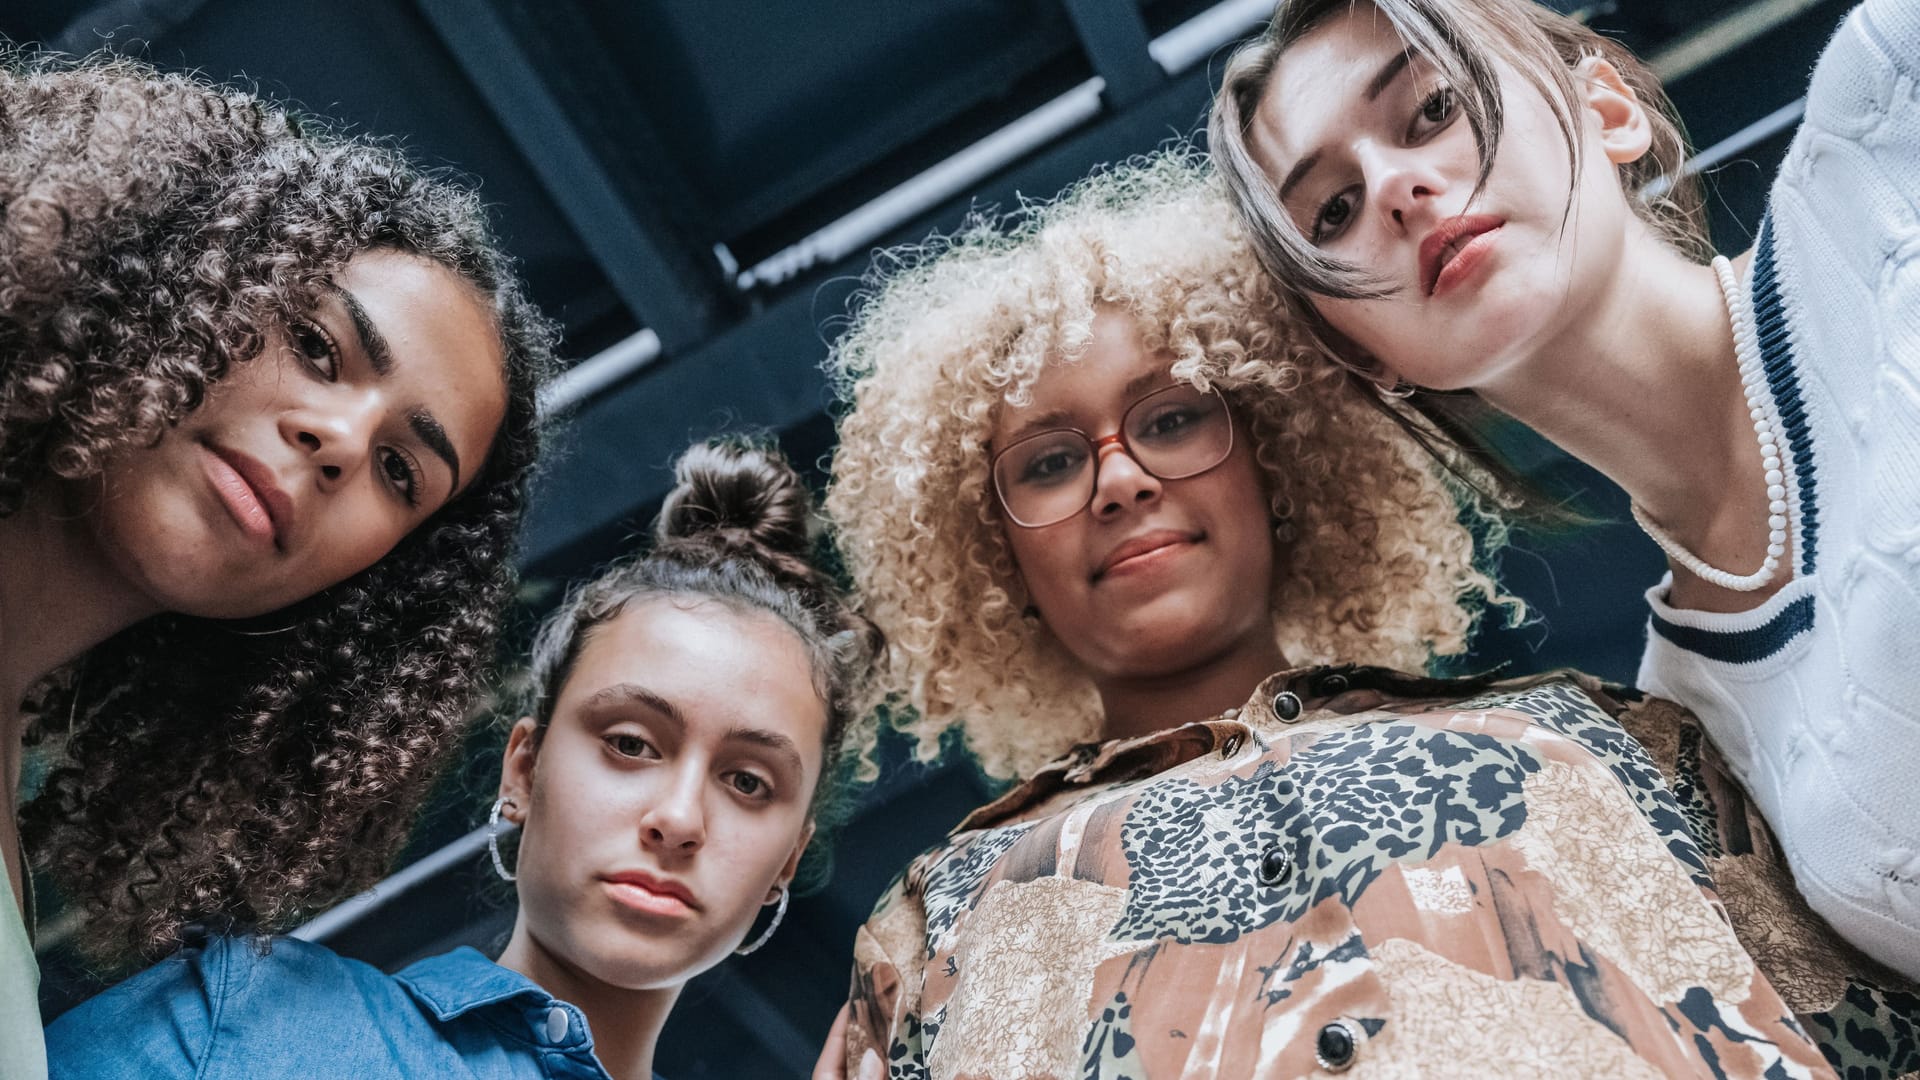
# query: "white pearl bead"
{"type": "Point", "coordinates": [1777, 506]}
{"type": "Point", "coordinates": [1776, 492]}
{"type": "Point", "coordinates": [1776, 550]}
{"type": "Point", "coordinates": [1777, 523]}
{"type": "Point", "coordinates": [1774, 477]}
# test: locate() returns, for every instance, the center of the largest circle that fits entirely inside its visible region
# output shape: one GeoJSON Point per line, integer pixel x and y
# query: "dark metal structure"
{"type": "Point", "coordinates": [695, 188]}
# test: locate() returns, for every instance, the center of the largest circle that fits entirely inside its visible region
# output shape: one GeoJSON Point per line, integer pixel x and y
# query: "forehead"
{"type": "Point", "coordinates": [723, 668]}
{"type": "Point", "coordinates": [1319, 80]}
{"type": "Point", "coordinates": [447, 354]}
{"type": "Point", "coordinates": [1115, 363]}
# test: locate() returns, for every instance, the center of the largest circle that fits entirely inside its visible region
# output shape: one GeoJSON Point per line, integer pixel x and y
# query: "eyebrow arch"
{"type": "Point", "coordinates": [769, 740]}
{"type": "Point", "coordinates": [425, 425]}
{"type": "Point", "coordinates": [1383, 78]}
{"type": "Point", "coordinates": [372, 342]}
{"type": "Point", "coordinates": [626, 692]}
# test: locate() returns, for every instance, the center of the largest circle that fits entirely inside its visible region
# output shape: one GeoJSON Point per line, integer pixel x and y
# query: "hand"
{"type": "Point", "coordinates": [833, 1056]}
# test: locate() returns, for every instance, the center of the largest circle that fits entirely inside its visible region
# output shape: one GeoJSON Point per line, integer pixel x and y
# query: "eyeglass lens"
{"type": "Point", "coordinates": [1172, 434]}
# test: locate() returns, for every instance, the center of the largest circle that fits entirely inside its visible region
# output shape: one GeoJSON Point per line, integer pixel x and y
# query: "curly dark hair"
{"type": "Point", "coordinates": [154, 229]}
{"type": "Point", "coordinates": [736, 529]}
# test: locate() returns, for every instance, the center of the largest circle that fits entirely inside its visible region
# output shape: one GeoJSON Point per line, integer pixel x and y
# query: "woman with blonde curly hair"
{"type": "Point", "coordinates": [1179, 576]}
{"type": "Point", "coordinates": [267, 410]}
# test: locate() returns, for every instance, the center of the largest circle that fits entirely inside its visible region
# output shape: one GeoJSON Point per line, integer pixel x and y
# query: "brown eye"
{"type": "Point", "coordinates": [1333, 217]}
{"type": "Point", "coordinates": [402, 475]}
{"type": "Point", "coordinates": [316, 348]}
{"type": "Point", "coordinates": [1438, 107]}
{"type": "Point", "coordinates": [750, 785]}
{"type": "Point", "coordinates": [629, 746]}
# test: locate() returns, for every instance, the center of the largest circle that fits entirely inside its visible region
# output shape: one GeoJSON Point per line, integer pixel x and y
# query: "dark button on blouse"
{"type": "Point", "coordinates": [1334, 1047]}
{"type": "Point", "coordinates": [1230, 746]}
{"type": "Point", "coordinates": [1334, 684]}
{"type": "Point", "coordinates": [1275, 863]}
{"type": "Point", "coordinates": [1286, 706]}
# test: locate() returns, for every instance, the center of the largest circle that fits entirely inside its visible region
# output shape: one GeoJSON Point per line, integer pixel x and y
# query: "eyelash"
{"type": "Point", "coordinates": [1441, 95]}
{"type": "Point", "coordinates": [330, 349]}
{"type": "Point", "coordinates": [763, 794]}
{"type": "Point", "coordinates": [303, 333]}
{"type": "Point", "coordinates": [409, 489]}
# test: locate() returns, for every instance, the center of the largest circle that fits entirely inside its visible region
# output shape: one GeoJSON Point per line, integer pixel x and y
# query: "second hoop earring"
{"type": "Point", "coordinates": [778, 914]}
{"type": "Point", "coordinates": [493, 840]}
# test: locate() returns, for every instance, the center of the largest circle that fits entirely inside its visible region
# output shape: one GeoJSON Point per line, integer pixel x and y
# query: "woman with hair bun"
{"type": "Point", "coordinates": [267, 412]}
{"type": "Point", "coordinates": [682, 727]}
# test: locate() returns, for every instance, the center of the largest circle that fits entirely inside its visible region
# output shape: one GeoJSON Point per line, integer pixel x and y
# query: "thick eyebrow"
{"type": "Point", "coordinates": [380, 357]}
{"type": "Point", "coordinates": [372, 342]}
{"type": "Point", "coordinates": [1383, 78]}
{"type": "Point", "coordinates": [633, 693]}
{"type": "Point", "coordinates": [769, 740]}
{"type": "Point", "coordinates": [428, 428]}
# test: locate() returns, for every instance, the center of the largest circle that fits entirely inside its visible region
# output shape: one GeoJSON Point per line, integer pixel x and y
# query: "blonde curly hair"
{"type": "Point", "coordinates": [1376, 558]}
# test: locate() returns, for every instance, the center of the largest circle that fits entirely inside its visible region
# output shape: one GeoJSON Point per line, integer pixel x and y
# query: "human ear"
{"type": "Point", "coordinates": [1625, 132]}
{"type": "Point", "coordinates": [516, 770]}
{"type": "Point", "coordinates": [792, 866]}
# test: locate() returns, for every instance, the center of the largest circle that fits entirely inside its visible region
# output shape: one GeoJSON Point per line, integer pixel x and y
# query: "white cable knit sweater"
{"type": "Point", "coordinates": [1814, 697]}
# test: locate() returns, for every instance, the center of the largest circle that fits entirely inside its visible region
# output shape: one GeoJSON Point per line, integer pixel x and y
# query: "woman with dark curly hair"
{"type": "Point", "coordinates": [684, 721]}
{"type": "Point", "coordinates": [267, 410]}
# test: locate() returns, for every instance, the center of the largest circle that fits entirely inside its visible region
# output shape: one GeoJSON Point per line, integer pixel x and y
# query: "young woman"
{"type": "Point", "coordinates": [1485, 196]}
{"type": "Point", "coordinates": [684, 710]}
{"type": "Point", "coordinates": [266, 414]}
{"type": "Point", "coordinates": [1150, 557]}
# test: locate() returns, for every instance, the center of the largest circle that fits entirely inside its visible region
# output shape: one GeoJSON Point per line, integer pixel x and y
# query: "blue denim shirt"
{"type": "Point", "coordinates": [221, 1011]}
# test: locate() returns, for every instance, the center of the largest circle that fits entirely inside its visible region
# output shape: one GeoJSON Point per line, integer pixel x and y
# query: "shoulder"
{"type": "Point", "coordinates": [217, 998]}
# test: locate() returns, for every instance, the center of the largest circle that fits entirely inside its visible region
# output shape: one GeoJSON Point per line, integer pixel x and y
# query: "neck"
{"type": "Point", "coordinates": [1644, 386]}
{"type": "Point", "coordinates": [626, 1024]}
{"type": "Point", "coordinates": [59, 594]}
{"type": "Point", "coordinates": [1142, 705]}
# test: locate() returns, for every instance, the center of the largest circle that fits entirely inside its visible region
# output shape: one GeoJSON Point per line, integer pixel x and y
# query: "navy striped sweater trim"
{"type": "Point", "coordinates": [1742, 646]}
{"type": "Point", "coordinates": [1783, 378]}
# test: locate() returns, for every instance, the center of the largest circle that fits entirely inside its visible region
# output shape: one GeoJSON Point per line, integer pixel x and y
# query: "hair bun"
{"type": "Point", "coordinates": [735, 495]}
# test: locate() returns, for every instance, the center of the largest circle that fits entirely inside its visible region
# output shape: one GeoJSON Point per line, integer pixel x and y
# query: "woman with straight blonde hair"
{"type": "Point", "coordinates": [1486, 196]}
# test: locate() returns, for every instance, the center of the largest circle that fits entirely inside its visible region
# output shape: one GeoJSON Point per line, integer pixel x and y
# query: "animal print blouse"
{"type": "Point", "coordinates": [1370, 871]}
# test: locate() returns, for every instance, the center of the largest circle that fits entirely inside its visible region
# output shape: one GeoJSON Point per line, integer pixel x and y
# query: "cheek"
{"type": "Point", "coordinates": [1042, 558]}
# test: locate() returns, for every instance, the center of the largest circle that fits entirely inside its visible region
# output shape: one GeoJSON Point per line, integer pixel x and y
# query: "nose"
{"type": "Point", "coordinates": [676, 822]}
{"type": "Point", "coordinates": [336, 431]}
{"type": "Point", "coordinates": [1402, 185]}
{"type": "Point", "coordinates": [1119, 481]}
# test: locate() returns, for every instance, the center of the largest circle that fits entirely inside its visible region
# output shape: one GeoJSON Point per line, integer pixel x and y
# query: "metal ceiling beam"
{"type": "Point", "coordinates": [538, 72]}
{"type": "Point", "coordinates": [1115, 38]}
{"type": "Point", "coordinates": [612, 466]}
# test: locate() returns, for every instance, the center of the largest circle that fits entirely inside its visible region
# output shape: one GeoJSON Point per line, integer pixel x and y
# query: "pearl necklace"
{"type": "Point", "coordinates": [1746, 346]}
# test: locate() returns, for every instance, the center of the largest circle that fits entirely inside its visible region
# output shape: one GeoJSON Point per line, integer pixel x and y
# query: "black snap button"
{"type": "Point", "coordinates": [1230, 747]}
{"type": "Point", "coordinates": [1334, 684]}
{"type": "Point", "coordinates": [1274, 865]}
{"type": "Point", "coordinates": [1286, 706]}
{"type": "Point", "coordinates": [1334, 1047]}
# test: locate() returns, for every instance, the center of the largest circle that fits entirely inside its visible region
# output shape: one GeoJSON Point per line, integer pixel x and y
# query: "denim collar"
{"type": "Point", "coordinates": [455, 983]}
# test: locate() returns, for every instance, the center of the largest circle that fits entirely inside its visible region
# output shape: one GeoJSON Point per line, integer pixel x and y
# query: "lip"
{"type": "Point", "coordinates": [247, 488]}
{"type": "Point", "coordinates": [1137, 551]}
{"type": "Point", "coordinates": [1454, 248]}
{"type": "Point", "coordinates": [653, 895]}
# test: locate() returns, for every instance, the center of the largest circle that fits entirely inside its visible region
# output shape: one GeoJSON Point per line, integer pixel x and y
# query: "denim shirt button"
{"type": "Point", "coordinates": [556, 1025]}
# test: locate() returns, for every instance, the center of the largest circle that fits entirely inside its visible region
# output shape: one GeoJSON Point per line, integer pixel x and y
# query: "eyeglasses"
{"type": "Point", "coordinates": [1172, 434]}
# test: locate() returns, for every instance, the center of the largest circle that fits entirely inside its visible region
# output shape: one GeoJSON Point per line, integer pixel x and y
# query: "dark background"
{"type": "Point", "coordinates": [694, 187]}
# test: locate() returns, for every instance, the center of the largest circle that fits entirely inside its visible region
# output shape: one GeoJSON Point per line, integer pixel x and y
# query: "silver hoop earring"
{"type": "Point", "coordinates": [1401, 390]}
{"type": "Point", "coordinates": [493, 840]}
{"type": "Point", "coordinates": [778, 914]}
